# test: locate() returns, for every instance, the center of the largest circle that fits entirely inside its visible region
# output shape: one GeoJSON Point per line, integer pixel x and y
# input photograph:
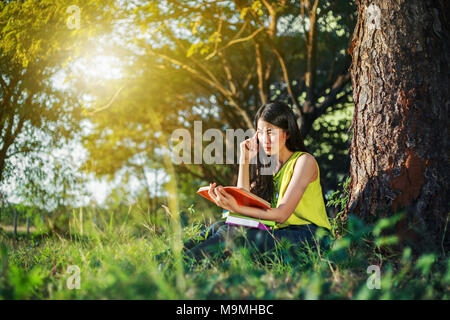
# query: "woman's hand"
{"type": "Point", "coordinates": [222, 198]}
{"type": "Point", "coordinates": [249, 148]}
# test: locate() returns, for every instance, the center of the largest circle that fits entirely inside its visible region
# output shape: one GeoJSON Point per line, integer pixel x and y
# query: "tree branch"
{"type": "Point", "coordinates": [243, 39]}
{"type": "Point", "coordinates": [331, 98]}
{"type": "Point", "coordinates": [216, 44]}
{"type": "Point", "coordinates": [282, 64]}
{"type": "Point", "coordinates": [259, 72]}
{"type": "Point", "coordinates": [226, 67]}
{"type": "Point", "coordinates": [311, 48]}
{"type": "Point", "coordinates": [110, 102]}
{"type": "Point", "coordinates": [286, 77]}
{"type": "Point", "coordinates": [3, 83]}
{"type": "Point", "coordinates": [212, 82]}
{"type": "Point", "coordinates": [273, 22]}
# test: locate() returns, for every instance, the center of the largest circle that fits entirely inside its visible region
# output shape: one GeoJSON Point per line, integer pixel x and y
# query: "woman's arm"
{"type": "Point", "coordinates": [249, 149]}
{"type": "Point", "coordinates": [305, 172]}
{"type": "Point", "coordinates": [244, 176]}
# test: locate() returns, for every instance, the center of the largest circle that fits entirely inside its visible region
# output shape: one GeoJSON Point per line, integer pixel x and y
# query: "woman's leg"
{"type": "Point", "coordinates": [265, 241]}
{"type": "Point", "coordinates": [219, 237]}
{"type": "Point", "coordinates": [205, 234]}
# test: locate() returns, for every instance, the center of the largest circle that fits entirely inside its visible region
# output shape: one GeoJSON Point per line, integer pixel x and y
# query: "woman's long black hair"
{"type": "Point", "coordinates": [279, 114]}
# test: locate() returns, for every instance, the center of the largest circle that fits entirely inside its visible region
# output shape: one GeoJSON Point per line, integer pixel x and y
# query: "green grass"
{"type": "Point", "coordinates": [115, 251]}
{"type": "Point", "coordinates": [117, 261]}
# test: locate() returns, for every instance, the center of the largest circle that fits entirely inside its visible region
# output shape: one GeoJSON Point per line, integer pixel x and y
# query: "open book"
{"type": "Point", "coordinates": [242, 196]}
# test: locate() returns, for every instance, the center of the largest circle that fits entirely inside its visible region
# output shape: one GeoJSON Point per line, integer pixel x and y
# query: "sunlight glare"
{"type": "Point", "coordinates": [100, 67]}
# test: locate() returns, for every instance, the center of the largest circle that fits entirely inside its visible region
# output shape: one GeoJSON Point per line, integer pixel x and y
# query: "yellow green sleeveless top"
{"type": "Point", "coordinates": [311, 208]}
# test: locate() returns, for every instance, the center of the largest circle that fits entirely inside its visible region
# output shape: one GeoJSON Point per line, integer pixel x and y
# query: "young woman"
{"type": "Point", "coordinates": [293, 188]}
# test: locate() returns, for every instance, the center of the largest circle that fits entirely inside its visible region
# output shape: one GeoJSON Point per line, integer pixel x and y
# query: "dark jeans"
{"type": "Point", "coordinates": [221, 236]}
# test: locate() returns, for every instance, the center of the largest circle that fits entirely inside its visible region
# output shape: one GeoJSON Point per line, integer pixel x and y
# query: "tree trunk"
{"type": "Point", "coordinates": [400, 151]}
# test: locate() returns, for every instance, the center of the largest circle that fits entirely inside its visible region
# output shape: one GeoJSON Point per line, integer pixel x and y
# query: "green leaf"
{"type": "Point", "coordinates": [425, 262]}
{"type": "Point", "coordinates": [194, 48]}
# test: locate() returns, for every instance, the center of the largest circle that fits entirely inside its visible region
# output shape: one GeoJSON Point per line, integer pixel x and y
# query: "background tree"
{"type": "Point", "coordinates": [216, 62]}
{"type": "Point", "coordinates": [400, 147]}
{"type": "Point", "coordinates": [36, 113]}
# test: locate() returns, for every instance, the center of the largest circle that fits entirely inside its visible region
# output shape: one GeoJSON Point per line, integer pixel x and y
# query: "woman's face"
{"type": "Point", "coordinates": [271, 137]}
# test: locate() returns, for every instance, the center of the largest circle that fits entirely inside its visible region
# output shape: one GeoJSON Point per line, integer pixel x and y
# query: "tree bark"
{"type": "Point", "coordinates": [400, 151]}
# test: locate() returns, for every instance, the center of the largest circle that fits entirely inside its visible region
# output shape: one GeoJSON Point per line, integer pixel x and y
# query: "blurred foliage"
{"type": "Point", "coordinates": [339, 200]}
{"type": "Point", "coordinates": [37, 114]}
{"type": "Point", "coordinates": [116, 257]}
{"type": "Point", "coordinates": [136, 71]}
{"type": "Point", "coordinates": [329, 142]}
{"type": "Point", "coordinates": [195, 61]}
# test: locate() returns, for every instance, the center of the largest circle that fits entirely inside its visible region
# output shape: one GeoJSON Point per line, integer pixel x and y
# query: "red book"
{"type": "Point", "coordinates": [242, 196]}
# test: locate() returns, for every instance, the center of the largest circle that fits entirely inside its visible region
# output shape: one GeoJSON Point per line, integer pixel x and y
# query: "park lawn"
{"type": "Point", "coordinates": [116, 263]}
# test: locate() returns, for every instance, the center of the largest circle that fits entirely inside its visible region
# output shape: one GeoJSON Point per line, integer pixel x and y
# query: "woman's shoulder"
{"type": "Point", "coordinates": [305, 156]}
{"type": "Point", "coordinates": [305, 160]}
